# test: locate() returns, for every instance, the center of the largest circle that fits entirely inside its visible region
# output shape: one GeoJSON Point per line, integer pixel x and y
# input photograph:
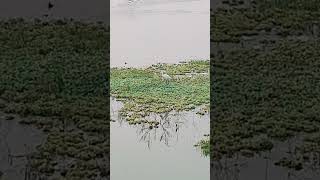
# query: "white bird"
{"type": "Point", "coordinates": [165, 76]}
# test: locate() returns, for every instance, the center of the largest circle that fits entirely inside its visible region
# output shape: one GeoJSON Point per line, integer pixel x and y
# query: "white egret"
{"type": "Point", "coordinates": [165, 76]}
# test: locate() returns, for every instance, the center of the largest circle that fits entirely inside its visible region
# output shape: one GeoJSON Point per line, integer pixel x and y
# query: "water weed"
{"type": "Point", "coordinates": [144, 92]}
{"type": "Point", "coordinates": [53, 73]}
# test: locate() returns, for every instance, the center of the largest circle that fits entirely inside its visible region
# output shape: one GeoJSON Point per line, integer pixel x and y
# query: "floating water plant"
{"type": "Point", "coordinates": [144, 92]}
{"type": "Point", "coordinates": [273, 18]}
{"type": "Point", "coordinates": [260, 98]}
{"type": "Point", "coordinates": [263, 97]}
{"type": "Point", "coordinates": [204, 145]}
{"type": "Point", "coordinates": [54, 72]}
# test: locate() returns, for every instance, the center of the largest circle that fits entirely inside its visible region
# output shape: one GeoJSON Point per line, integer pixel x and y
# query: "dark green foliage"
{"type": "Point", "coordinates": [260, 97]}
{"type": "Point", "coordinates": [310, 5]}
{"type": "Point", "coordinates": [265, 94]}
{"type": "Point", "coordinates": [230, 25]}
{"type": "Point", "coordinates": [55, 73]}
{"type": "Point", "coordinates": [47, 69]}
{"type": "Point", "coordinates": [144, 92]}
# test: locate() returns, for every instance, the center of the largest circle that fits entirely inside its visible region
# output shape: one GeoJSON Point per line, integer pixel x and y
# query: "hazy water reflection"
{"type": "Point", "coordinates": [166, 152]}
{"type": "Point", "coordinates": [144, 32]}
{"type": "Point", "coordinates": [17, 143]}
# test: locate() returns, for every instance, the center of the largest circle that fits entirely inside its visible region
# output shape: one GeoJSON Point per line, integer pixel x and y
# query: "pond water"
{"type": "Point", "coordinates": [17, 143]}
{"type": "Point", "coordinates": [93, 10]}
{"type": "Point", "coordinates": [263, 166]}
{"type": "Point", "coordinates": [145, 32]}
{"type": "Point", "coordinates": [167, 152]}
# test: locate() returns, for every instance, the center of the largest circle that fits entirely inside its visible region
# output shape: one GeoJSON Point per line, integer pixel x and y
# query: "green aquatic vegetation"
{"type": "Point", "coordinates": [310, 5]}
{"type": "Point", "coordinates": [204, 145]}
{"type": "Point", "coordinates": [267, 96]}
{"type": "Point", "coordinates": [54, 72]}
{"type": "Point", "coordinates": [230, 25]}
{"type": "Point", "coordinates": [227, 26]}
{"type": "Point", "coordinates": [305, 153]}
{"type": "Point", "coordinates": [144, 92]}
{"type": "Point", "coordinates": [182, 68]}
{"type": "Point", "coordinates": [47, 69]}
{"type": "Point", "coordinates": [259, 98]}
{"type": "Point", "coordinates": [291, 164]}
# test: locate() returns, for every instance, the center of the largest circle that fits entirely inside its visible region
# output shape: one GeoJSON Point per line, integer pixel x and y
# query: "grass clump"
{"type": "Point", "coordinates": [183, 68]}
{"type": "Point", "coordinates": [204, 145]}
{"type": "Point", "coordinates": [144, 92]}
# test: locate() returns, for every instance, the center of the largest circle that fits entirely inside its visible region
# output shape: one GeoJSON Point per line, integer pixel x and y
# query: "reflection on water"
{"type": "Point", "coordinates": [166, 130]}
{"type": "Point", "coordinates": [146, 32]}
{"type": "Point", "coordinates": [162, 151]}
{"type": "Point", "coordinates": [263, 166]}
{"type": "Point", "coordinates": [17, 145]}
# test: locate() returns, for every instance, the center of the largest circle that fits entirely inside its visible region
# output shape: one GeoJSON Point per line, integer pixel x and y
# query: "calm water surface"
{"type": "Point", "coordinates": [165, 153]}
{"type": "Point", "coordinates": [17, 141]}
{"type": "Point", "coordinates": [93, 10]}
{"type": "Point", "coordinates": [145, 32]}
{"type": "Point", "coordinates": [262, 167]}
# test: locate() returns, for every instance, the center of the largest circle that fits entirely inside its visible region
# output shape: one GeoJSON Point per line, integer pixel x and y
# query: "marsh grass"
{"type": "Point", "coordinates": [204, 146]}
{"type": "Point", "coordinates": [51, 66]}
{"type": "Point", "coordinates": [270, 97]}
{"type": "Point", "coordinates": [261, 98]}
{"type": "Point", "coordinates": [310, 5]}
{"type": "Point", "coordinates": [296, 19]}
{"type": "Point", "coordinates": [144, 92]}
